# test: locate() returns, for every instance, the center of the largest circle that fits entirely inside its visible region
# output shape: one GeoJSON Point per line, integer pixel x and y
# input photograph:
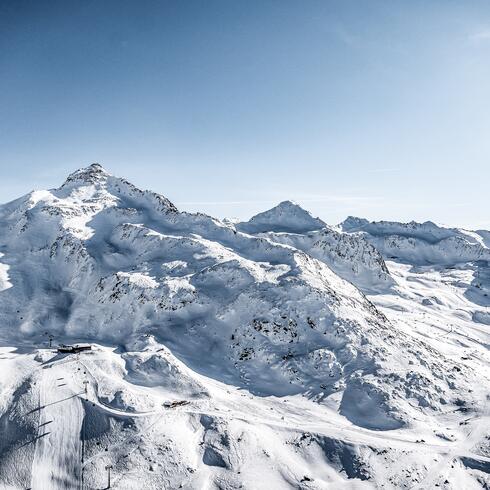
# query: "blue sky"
{"type": "Point", "coordinates": [379, 109]}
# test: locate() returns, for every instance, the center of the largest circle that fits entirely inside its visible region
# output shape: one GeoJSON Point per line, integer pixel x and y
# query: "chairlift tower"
{"type": "Point", "coordinates": [108, 468]}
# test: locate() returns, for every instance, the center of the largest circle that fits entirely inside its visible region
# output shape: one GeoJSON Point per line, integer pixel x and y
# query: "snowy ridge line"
{"type": "Point", "coordinates": [421, 243]}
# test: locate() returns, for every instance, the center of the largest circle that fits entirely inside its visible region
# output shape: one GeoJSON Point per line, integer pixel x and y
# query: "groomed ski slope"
{"type": "Point", "coordinates": [58, 445]}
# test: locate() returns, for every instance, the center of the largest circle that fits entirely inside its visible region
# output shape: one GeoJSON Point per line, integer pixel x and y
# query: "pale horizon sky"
{"type": "Point", "coordinates": [377, 109]}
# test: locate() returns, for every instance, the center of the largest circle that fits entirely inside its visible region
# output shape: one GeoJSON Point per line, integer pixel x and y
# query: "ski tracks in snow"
{"type": "Point", "coordinates": [57, 455]}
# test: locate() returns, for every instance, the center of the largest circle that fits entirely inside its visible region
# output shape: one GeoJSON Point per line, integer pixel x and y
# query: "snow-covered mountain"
{"type": "Point", "coordinates": [287, 216]}
{"type": "Point", "coordinates": [435, 247]}
{"type": "Point", "coordinates": [351, 256]}
{"type": "Point", "coordinates": [301, 355]}
{"type": "Point", "coordinates": [422, 243]}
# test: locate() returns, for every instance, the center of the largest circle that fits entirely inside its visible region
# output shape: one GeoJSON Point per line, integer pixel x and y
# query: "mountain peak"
{"type": "Point", "coordinates": [353, 223]}
{"type": "Point", "coordinates": [92, 174]}
{"type": "Point", "coordinates": [287, 216]}
{"type": "Point", "coordinates": [288, 204]}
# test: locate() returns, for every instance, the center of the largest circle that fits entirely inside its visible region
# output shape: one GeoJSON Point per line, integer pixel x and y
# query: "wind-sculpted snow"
{"type": "Point", "coordinates": [190, 307]}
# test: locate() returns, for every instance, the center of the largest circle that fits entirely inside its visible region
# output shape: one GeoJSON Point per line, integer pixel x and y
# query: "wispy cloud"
{"type": "Point", "coordinates": [480, 36]}
{"type": "Point", "coordinates": [221, 203]}
{"type": "Point", "coordinates": [345, 36]}
{"type": "Point", "coordinates": [383, 170]}
{"type": "Point", "coordinates": [309, 198]}
{"type": "Point", "coordinates": [338, 199]}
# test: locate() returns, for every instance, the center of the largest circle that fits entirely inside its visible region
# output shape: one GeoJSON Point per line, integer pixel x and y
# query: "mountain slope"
{"type": "Point", "coordinates": [253, 326]}
{"type": "Point", "coordinates": [107, 261]}
{"type": "Point", "coordinates": [350, 256]}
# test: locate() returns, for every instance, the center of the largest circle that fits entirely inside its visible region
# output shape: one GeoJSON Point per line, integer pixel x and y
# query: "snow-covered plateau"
{"type": "Point", "coordinates": [276, 353]}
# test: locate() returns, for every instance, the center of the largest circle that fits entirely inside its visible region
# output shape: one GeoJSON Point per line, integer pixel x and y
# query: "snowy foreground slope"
{"type": "Point", "coordinates": [276, 353]}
